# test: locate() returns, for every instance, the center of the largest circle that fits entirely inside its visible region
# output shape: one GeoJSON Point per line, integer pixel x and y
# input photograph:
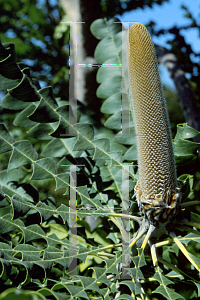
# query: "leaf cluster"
{"type": "Point", "coordinates": [36, 29]}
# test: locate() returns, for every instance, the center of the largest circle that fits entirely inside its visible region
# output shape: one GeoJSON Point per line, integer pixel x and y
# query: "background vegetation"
{"type": "Point", "coordinates": [34, 219]}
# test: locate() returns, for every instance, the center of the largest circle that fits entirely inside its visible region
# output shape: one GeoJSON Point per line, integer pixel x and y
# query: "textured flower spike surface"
{"type": "Point", "coordinates": [156, 191]}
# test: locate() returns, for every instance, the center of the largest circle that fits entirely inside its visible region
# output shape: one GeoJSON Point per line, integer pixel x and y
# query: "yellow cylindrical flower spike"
{"type": "Point", "coordinates": [156, 190]}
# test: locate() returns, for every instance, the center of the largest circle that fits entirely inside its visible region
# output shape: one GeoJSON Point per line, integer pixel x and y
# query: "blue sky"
{"type": "Point", "coordinates": [166, 16]}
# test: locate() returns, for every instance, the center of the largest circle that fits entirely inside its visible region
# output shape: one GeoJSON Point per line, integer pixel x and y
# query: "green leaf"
{"type": "Point", "coordinates": [126, 137]}
{"type": "Point", "coordinates": [90, 284]}
{"type": "Point", "coordinates": [113, 104]}
{"type": "Point", "coordinates": [184, 147]}
{"type": "Point", "coordinates": [109, 69]}
{"type": "Point", "coordinates": [100, 274]}
{"type": "Point", "coordinates": [19, 294]}
{"type": "Point", "coordinates": [45, 111]}
{"type": "Point", "coordinates": [8, 185]}
{"type": "Point", "coordinates": [185, 150]}
{"type": "Point", "coordinates": [131, 153]}
{"type": "Point", "coordinates": [185, 132]}
{"type": "Point", "coordinates": [83, 193]}
{"type": "Point", "coordinates": [59, 147]}
{"type": "Point", "coordinates": [77, 291]}
{"type": "Point", "coordinates": [125, 296]}
{"type": "Point", "coordinates": [102, 28]}
{"type": "Point", "coordinates": [20, 207]}
{"type": "Point", "coordinates": [198, 288]}
{"type": "Point", "coordinates": [129, 284]}
{"type": "Point", "coordinates": [45, 210]}
{"type": "Point", "coordinates": [168, 293]}
{"type": "Point", "coordinates": [116, 122]}
{"type": "Point", "coordinates": [5, 139]}
{"type": "Point", "coordinates": [109, 87]}
{"type": "Point", "coordinates": [139, 260]}
{"type": "Point", "coordinates": [42, 131]}
{"type": "Point", "coordinates": [22, 120]}
{"type": "Point", "coordinates": [62, 181]}
{"type": "Point", "coordinates": [47, 292]}
{"type": "Point", "coordinates": [86, 134]}
{"type": "Point", "coordinates": [111, 267]}
{"type": "Point", "coordinates": [23, 153]}
{"type": "Point", "coordinates": [44, 168]}
{"type": "Point", "coordinates": [190, 237]}
{"type": "Point", "coordinates": [24, 91]}
{"type": "Point", "coordinates": [102, 147]}
{"type": "Point", "coordinates": [9, 101]}
{"type": "Point", "coordinates": [161, 278]}
{"type": "Point", "coordinates": [163, 289]}
{"type": "Point", "coordinates": [112, 45]}
{"type": "Point", "coordinates": [9, 69]}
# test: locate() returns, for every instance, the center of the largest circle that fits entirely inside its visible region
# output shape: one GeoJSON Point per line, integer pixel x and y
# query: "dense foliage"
{"type": "Point", "coordinates": [36, 244]}
{"type": "Point", "coordinates": [41, 39]}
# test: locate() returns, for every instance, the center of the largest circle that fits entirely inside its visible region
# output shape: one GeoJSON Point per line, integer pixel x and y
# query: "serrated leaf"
{"type": "Point", "coordinates": [67, 123]}
{"type": "Point", "coordinates": [111, 266]}
{"type": "Point", "coordinates": [163, 289]}
{"type": "Point", "coordinates": [47, 292]}
{"type": "Point", "coordinates": [23, 153]}
{"type": "Point", "coordinates": [20, 206]}
{"type": "Point", "coordinates": [190, 237]}
{"type": "Point", "coordinates": [62, 181]}
{"type": "Point", "coordinates": [100, 274]}
{"type": "Point", "coordinates": [77, 291]}
{"type": "Point", "coordinates": [136, 273]}
{"type": "Point", "coordinates": [126, 137]}
{"type": "Point", "coordinates": [42, 131]}
{"type": "Point", "coordinates": [85, 198]}
{"type": "Point", "coordinates": [168, 293]}
{"type": "Point", "coordinates": [90, 284]}
{"type": "Point", "coordinates": [139, 260]}
{"type": "Point", "coordinates": [44, 168]}
{"type": "Point", "coordinates": [161, 278]}
{"type": "Point", "coordinates": [59, 147]}
{"type": "Point", "coordinates": [8, 184]}
{"type": "Point", "coordinates": [86, 134]}
{"type": "Point", "coordinates": [6, 225]}
{"type": "Point", "coordinates": [45, 210]}
{"type": "Point", "coordinates": [45, 111]}
{"type": "Point", "coordinates": [102, 147]}
{"type": "Point", "coordinates": [63, 211]}
{"type": "Point", "coordinates": [22, 120]}
{"type": "Point", "coordinates": [24, 91]}
{"type": "Point", "coordinates": [8, 101]}
{"type": "Point", "coordinates": [6, 139]}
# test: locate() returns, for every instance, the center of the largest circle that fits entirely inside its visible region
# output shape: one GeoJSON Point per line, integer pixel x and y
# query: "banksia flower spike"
{"type": "Point", "coordinates": [156, 191]}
